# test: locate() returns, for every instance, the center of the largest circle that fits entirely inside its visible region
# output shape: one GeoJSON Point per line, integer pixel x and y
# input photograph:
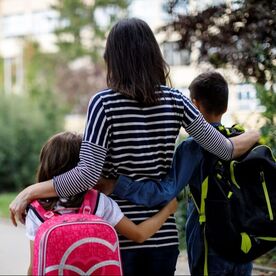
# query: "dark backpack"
{"type": "Point", "coordinates": [237, 205]}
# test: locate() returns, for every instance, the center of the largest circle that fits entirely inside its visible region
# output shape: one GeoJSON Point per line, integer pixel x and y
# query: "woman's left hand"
{"type": "Point", "coordinates": [19, 204]}
{"type": "Point", "coordinates": [18, 207]}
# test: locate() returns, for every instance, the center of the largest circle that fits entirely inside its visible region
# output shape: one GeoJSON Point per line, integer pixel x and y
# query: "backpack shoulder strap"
{"type": "Point", "coordinates": [38, 209]}
{"type": "Point", "coordinates": [232, 131]}
{"type": "Point", "coordinates": [90, 202]}
{"type": "Point", "coordinates": [210, 162]}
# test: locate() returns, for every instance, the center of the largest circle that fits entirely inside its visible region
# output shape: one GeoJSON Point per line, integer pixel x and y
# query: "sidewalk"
{"type": "Point", "coordinates": [14, 251]}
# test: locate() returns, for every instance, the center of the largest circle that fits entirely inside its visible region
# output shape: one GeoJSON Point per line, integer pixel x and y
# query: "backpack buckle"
{"type": "Point", "coordinates": [202, 218]}
{"type": "Point", "coordinates": [49, 214]}
{"type": "Point", "coordinates": [86, 210]}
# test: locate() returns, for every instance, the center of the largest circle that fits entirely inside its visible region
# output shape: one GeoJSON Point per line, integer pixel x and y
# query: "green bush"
{"type": "Point", "coordinates": [25, 125]}
{"type": "Point", "coordinates": [5, 200]}
{"type": "Point", "coordinates": [181, 217]}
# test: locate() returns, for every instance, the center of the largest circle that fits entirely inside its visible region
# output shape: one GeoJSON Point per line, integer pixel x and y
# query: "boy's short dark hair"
{"type": "Point", "coordinates": [211, 90]}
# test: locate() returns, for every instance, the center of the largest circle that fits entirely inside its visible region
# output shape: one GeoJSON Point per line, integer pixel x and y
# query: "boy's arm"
{"type": "Point", "coordinates": [144, 230]}
{"type": "Point", "coordinates": [187, 158]}
{"type": "Point", "coordinates": [30, 272]}
{"type": "Point", "coordinates": [147, 192]}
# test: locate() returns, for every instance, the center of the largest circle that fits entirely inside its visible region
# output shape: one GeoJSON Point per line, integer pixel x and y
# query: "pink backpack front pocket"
{"type": "Point", "coordinates": [76, 244]}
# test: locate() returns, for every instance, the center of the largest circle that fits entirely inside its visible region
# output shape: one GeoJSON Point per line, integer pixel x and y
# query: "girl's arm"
{"type": "Point", "coordinates": [142, 231]}
{"type": "Point", "coordinates": [30, 269]}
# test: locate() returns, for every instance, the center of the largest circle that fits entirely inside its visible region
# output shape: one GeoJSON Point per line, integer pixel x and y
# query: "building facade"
{"type": "Point", "coordinates": [36, 20]}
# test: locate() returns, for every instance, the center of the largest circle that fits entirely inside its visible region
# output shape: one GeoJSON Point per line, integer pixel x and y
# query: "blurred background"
{"type": "Point", "coordinates": [51, 64]}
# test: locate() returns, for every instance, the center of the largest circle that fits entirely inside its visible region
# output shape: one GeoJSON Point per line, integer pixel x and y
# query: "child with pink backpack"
{"type": "Point", "coordinates": [75, 236]}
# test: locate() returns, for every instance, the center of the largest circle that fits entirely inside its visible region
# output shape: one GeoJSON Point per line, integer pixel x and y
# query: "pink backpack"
{"type": "Point", "coordinates": [75, 244]}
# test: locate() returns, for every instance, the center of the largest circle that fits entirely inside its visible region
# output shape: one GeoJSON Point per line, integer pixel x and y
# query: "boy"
{"type": "Point", "coordinates": [209, 93]}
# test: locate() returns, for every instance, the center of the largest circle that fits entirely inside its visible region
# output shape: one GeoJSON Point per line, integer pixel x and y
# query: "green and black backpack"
{"type": "Point", "coordinates": [237, 204]}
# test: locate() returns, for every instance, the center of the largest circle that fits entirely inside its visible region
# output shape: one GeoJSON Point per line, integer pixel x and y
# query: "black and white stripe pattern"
{"type": "Point", "coordinates": [210, 139]}
{"type": "Point", "coordinates": [86, 174]}
{"type": "Point", "coordinates": [124, 138]}
{"type": "Point", "coordinates": [166, 236]}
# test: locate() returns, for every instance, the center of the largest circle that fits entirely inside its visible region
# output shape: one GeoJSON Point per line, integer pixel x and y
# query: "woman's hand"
{"type": "Point", "coordinates": [18, 206]}
{"type": "Point", "coordinates": [243, 142]}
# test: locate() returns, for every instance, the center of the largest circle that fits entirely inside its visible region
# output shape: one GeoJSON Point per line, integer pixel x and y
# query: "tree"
{"type": "Point", "coordinates": [1, 75]}
{"type": "Point", "coordinates": [242, 35]}
{"type": "Point", "coordinates": [81, 29]}
{"type": "Point", "coordinates": [78, 84]}
{"type": "Point", "coordinates": [28, 119]}
{"type": "Point", "coordinates": [83, 24]}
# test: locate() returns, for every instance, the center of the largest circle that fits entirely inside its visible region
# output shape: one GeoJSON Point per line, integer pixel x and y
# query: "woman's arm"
{"type": "Point", "coordinates": [30, 269]}
{"type": "Point", "coordinates": [142, 231]}
{"type": "Point", "coordinates": [243, 142]}
{"type": "Point", "coordinates": [81, 178]}
{"type": "Point", "coordinates": [213, 141]}
{"type": "Point", "coordinates": [19, 204]}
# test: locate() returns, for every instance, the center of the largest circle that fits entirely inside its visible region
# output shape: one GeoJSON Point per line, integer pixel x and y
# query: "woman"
{"type": "Point", "coordinates": [131, 130]}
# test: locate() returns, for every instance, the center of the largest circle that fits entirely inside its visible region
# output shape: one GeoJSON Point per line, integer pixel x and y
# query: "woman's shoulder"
{"type": "Point", "coordinates": [174, 94]}
{"type": "Point", "coordinates": [103, 93]}
{"type": "Point", "coordinates": [171, 90]}
{"type": "Point", "coordinates": [107, 95]}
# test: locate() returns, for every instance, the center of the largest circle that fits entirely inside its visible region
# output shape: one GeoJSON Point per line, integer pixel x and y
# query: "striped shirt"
{"type": "Point", "coordinates": [124, 138]}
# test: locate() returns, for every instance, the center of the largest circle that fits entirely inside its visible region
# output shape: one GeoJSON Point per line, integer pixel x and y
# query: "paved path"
{"type": "Point", "coordinates": [14, 251]}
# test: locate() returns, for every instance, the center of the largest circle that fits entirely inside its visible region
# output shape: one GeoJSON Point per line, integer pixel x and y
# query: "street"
{"type": "Point", "coordinates": [14, 249]}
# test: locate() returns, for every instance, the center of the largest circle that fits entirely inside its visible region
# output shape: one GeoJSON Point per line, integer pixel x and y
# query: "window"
{"type": "Point", "coordinates": [247, 97]}
{"type": "Point", "coordinates": [16, 25]}
{"type": "Point", "coordinates": [44, 22]}
{"type": "Point", "coordinates": [29, 23]}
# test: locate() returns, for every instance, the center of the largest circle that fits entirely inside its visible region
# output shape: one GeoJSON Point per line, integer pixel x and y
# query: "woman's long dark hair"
{"type": "Point", "coordinates": [135, 66]}
{"type": "Point", "coordinates": [59, 155]}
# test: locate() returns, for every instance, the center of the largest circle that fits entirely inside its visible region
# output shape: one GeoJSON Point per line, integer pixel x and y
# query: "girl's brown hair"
{"type": "Point", "coordinates": [59, 155]}
{"type": "Point", "coordinates": [135, 66]}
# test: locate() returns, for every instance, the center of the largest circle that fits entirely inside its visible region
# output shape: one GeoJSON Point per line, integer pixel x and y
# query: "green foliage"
{"type": "Point", "coordinates": [1, 75]}
{"type": "Point", "coordinates": [181, 216]}
{"type": "Point", "coordinates": [268, 99]}
{"type": "Point", "coordinates": [24, 126]}
{"type": "Point", "coordinates": [83, 25]}
{"type": "Point", "coordinates": [40, 68]}
{"type": "Point", "coordinates": [242, 35]}
{"type": "Point", "coordinates": [5, 200]}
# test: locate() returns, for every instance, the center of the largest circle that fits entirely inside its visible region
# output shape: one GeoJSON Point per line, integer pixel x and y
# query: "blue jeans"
{"type": "Point", "coordinates": [159, 261]}
{"type": "Point", "coordinates": [217, 266]}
